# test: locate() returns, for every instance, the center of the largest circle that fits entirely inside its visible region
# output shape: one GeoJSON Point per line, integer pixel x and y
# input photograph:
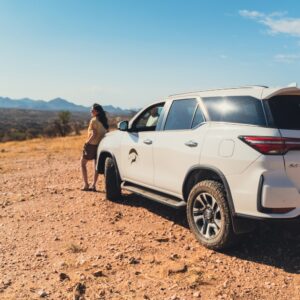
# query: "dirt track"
{"type": "Point", "coordinates": [54, 236]}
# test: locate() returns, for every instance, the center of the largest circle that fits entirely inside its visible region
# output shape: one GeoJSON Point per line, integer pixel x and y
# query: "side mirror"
{"type": "Point", "coordinates": [123, 126]}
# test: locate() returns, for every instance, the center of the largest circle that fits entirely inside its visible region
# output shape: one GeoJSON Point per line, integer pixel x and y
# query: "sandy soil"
{"type": "Point", "coordinates": [57, 242]}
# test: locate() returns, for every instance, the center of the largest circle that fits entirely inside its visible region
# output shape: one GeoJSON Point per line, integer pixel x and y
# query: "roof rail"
{"type": "Point", "coordinates": [219, 89]}
{"type": "Point", "coordinates": [256, 86]}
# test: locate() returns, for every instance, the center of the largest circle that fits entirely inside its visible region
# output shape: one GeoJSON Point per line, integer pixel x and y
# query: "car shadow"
{"type": "Point", "coordinates": [276, 244]}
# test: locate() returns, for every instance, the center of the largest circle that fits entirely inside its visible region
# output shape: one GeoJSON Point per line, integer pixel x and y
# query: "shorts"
{"type": "Point", "coordinates": [89, 151]}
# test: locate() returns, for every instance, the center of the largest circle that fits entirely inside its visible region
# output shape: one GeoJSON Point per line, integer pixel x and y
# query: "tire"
{"type": "Point", "coordinates": [209, 216]}
{"type": "Point", "coordinates": [112, 180]}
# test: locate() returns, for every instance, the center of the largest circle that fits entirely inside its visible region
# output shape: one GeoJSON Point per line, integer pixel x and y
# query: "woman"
{"type": "Point", "coordinates": [97, 128]}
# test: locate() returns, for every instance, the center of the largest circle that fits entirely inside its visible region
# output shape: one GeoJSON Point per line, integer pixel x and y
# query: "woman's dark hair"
{"type": "Point", "coordinates": [101, 115]}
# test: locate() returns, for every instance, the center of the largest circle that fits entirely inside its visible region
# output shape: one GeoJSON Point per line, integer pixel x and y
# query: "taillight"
{"type": "Point", "coordinates": [271, 145]}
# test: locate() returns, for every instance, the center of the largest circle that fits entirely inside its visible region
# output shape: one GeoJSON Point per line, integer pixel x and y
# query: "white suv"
{"type": "Point", "coordinates": [229, 156]}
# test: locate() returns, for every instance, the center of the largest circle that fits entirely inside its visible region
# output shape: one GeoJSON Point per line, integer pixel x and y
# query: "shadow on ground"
{"type": "Point", "coordinates": [276, 244]}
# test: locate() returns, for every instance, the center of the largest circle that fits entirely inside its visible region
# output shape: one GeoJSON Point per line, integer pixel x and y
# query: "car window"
{"type": "Point", "coordinates": [235, 109]}
{"type": "Point", "coordinates": [181, 114]}
{"type": "Point", "coordinates": [285, 110]}
{"type": "Point", "coordinates": [198, 117]}
{"type": "Point", "coordinates": [147, 121]}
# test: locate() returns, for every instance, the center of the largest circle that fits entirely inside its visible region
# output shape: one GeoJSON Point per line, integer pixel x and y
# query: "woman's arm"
{"type": "Point", "coordinates": [93, 130]}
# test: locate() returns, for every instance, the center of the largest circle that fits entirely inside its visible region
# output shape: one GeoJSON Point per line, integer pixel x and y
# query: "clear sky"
{"type": "Point", "coordinates": [132, 52]}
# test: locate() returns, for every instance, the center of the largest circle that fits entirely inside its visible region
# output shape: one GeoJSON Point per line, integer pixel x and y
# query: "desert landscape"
{"type": "Point", "coordinates": [57, 242]}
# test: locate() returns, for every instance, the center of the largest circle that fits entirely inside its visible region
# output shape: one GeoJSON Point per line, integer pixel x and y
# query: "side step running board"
{"type": "Point", "coordinates": [154, 195]}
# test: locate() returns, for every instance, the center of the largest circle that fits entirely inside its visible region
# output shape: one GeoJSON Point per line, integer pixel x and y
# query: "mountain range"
{"type": "Point", "coordinates": [57, 104]}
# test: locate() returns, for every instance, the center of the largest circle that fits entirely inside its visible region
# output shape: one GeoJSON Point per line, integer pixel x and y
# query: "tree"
{"type": "Point", "coordinates": [62, 124]}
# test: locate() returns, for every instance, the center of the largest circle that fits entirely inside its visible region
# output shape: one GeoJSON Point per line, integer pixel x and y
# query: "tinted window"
{"type": "Point", "coordinates": [181, 114]}
{"type": "Point", "coordinates": [198, 117]}
{"type": "Point", "coordinates": [235, 109]}
{"type": "Point", "coordinates": [285, 111]}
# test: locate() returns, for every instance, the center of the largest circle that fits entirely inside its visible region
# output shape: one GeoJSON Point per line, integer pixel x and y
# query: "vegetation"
{"type": "Point", "coordinates": [21, 124]}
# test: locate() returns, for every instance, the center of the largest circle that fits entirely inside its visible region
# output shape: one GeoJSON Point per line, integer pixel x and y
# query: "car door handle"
{"type": "Point", "coordinates": [191, 144]}
{"type": "Point", "coordinates": [147, 142]}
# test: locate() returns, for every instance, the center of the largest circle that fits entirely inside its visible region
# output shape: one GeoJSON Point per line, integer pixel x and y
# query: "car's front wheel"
{"type": "Point", "coordinates": [209, 216]}
{"type": "Point", "coordinates": [112, 180]}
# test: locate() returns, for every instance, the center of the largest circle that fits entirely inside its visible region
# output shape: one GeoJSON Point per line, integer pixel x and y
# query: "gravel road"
{"type": "Point", "coordinates": [57, 242]}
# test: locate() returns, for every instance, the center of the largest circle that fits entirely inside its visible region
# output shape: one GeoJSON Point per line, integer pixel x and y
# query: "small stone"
{"type": "Point", "coordinates": [79, 290]}
{"type": "Point", "coordinates": [82, 277]}
{"type": "Point", "coordinates": [174, 256]}
{"type": "Point", "coordinates": [133, 261]}
{"type": "Point", "coordinates": [177, 268]}
{"type": "Point", "coordinates": [42, 293]}
{"type": "Point", "coordinates": [40, 253]}
{"type": "Point", "coordinates": [102, 293]}
{"type": "Point", "coordinates": [162, 240]}
{"type": "Point", "coordinates": [98, 274]}
{"type": "Point", "coordinates": [197, 295]}
{"type": "Point", "coordinates": [119, 255]}
{"type": "Point", "coordinates": [63, 276]}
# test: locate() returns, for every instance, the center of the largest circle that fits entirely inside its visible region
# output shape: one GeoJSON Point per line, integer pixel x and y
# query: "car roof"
{"type": "Point", "coordinates": [257, 91]}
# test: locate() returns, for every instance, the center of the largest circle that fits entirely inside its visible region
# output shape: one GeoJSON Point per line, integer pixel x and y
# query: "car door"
{"type": "Point", "coordinates": [178, 146]}
{"type": "Point", "coordinates": [137, 146]}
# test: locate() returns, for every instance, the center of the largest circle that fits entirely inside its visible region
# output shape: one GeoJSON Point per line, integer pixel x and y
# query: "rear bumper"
{"type": "Point", "coordinates": [276, 192]}
{"type": "Point", "coordinates": [244, 223]}
{"type": "Point", "coordinates": [262, 187]}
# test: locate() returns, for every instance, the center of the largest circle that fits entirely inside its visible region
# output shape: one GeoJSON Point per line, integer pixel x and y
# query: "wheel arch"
{"type": "Point", "coordinates": [205, 172]}
{"type": "Point", "coordinates": [101, 161]}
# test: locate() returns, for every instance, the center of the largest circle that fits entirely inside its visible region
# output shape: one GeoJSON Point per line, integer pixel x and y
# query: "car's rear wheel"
{"type": "Point", "coordinates": [112, 180]}
{"type": "Point", "coordinates": [209, 215]}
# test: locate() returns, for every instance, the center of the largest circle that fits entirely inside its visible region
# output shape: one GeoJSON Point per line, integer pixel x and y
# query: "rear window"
{"type": "Point", "coordinates": [235, 109]}
{"type": "Point", "coordinates": [285, 111]}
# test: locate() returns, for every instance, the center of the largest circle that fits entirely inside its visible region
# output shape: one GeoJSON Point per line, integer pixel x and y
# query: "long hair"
{"type": "Point", "coordinates": [101, 115]}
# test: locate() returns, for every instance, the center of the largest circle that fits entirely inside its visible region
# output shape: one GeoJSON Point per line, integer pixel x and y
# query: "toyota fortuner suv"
{"type": "Point", "coordinates": [227, 156]}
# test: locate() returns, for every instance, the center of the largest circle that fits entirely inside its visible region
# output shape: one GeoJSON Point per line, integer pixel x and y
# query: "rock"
{"type": "Point", "coordinates": [134, 261]}
{"type": "Point", "coordinates": [98, 274]}
{"type": "Point", "coordinates": [82, 277]}
{"type": "Point", "coordinates": [162, 240]}
{"type": "Point", "coordinates": [197, 295]}
{"type": "Point", "coordinates": [63, 276]}
{"type": "Point", "coordinates": [79, 291]}
{"type": "Point", "coordinates": [177, 268]}
{"type": "Point", "coordinates": [174, 256]}
{"type": "Point", "coordinates": [119, 255]}
{"type": "Point", "coordinates": [40, 253]}
{"type": "Point", "coordinates": [102, 294]}
{"type": "Point", "coordinates": [42, 293]}
{"type": "Point", "coordinates": [108, 266]}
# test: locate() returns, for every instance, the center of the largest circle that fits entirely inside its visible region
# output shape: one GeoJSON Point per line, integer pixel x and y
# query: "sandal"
{"type": "Point", "coordinates": [93, 189]}
{"type": "Point", "coordinates": [85, 189]}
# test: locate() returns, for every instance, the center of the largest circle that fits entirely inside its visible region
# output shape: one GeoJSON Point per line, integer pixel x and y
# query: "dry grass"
{"type": "Point", "coordinates": [71, 145]}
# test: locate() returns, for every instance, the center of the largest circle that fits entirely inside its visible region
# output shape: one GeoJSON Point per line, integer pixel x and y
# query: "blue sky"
{"type": "Point", "coordinates": [132, 52]}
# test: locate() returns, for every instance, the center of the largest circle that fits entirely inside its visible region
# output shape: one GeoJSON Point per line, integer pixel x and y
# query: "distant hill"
{"type": "Point", "coordinates": [56, 104]}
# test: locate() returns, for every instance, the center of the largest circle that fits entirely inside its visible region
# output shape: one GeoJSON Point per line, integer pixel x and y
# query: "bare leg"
{"type": "Point", "coordinates": [84, 172]}
{"type": "Point", "coordinates": [95, 176]}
